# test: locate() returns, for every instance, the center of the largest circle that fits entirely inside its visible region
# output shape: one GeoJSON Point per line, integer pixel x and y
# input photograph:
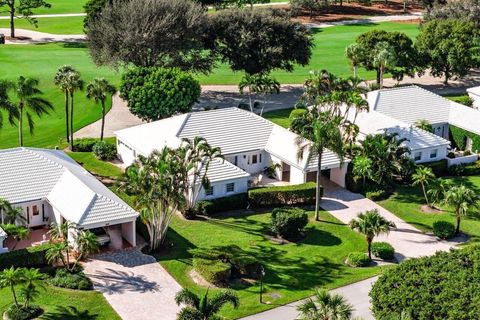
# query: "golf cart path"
{"type": "Point", "coordinates": [33, 37]}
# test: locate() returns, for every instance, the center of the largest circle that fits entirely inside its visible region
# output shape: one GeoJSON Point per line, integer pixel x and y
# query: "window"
{"type": "Point", "coordinates": [230, 187]}
{"type": "Point", "coordinates": [254, 159]}
{"type": "Point", "coordinates": [35, 211]}
{"type": "Point", "coordinates": [433, 153]}
{"type": "Point", "coordinates": [418, 156]}
{"type": "Point", "coordinates": [260, 158]}
{"type": "Point", "coordinates": [209, 191]}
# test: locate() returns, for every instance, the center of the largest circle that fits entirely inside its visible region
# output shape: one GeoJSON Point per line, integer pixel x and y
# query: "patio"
{"type": "Point", "coordinates": [36, 237]}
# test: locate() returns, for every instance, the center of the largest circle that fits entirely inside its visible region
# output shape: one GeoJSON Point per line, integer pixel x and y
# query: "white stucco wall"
{"type": "Point", "coordinates": [244, 161]}
{"type": "Point", "coordinates": [220, 189]}
{"type": "Point", "coordinates": [337, 175]}
{"type": "Point", "coordinates": [296, 176]}
{"type": "Point", "coordinates": [425, 154]}
{"type": "Point", "coordinates": [126, 153]}
{"type": "Point", "coordinates": [129, 233]}
{"type": "Point", "coordinates": [440, 129]}
{"type": "Point", "coordinates": [475, 97]}
{"type": "Point", "coordinates": [44, 216]}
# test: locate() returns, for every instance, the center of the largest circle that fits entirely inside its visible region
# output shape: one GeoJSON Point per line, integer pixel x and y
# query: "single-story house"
{"type": "Point", "coordinates": [474, 94]}
{"type": "Point", "coordinates": [398, 109]}
{"type": "Point", "coordinates": [249, 144]}
{"type": "Point", "coordinates": [53, 188]}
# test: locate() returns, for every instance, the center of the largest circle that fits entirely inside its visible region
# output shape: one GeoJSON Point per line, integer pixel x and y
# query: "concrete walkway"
{"type": "Point", "coordinates": [368, 20]}
{"type": "Point", "coordinates": [135, 285]}
{"type": "Point", "coordinates": [32, 37]}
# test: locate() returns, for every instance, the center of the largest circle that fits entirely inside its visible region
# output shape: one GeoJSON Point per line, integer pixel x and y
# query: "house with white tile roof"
{"type": "Point", "coordinates": [52, 188]}
{"type": "Point", "coordinates": [249, 144]}
{"type": "Point", "coordinates": [397, 110]}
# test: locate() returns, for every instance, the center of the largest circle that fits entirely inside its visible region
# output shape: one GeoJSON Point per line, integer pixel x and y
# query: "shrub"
{"type": "Point", "coordinates": [209, 207]}
{"type": "Point", "coordinates": [383, 250]}
{"type": "Point", "coordinates": [244, 264]}
{"type": "Point", "coordinates": [301, 194]}
{"type": "Point", "coordinates": [465, 169]}
{"type": "Point", "coordinates": [23, 313]}
{"type": "Point", "coordinates": [358, 259]}
{"type": "Point", "coordinates": [85, 144]}
{"type": "Point", "coordinates": [451, 155]}
{"type": "Point", "coordinates": [439, 168]}
{"type": "Point", "coordinates": [296, 113]}
{"type": "Point", "coordinates": [443, 229]}
{"type": "Point", "coordinates": [65, 279]}
{"type": "Point", "coordinates": [377, 195]}
{"type": "Point", "coordinates": [25, 258]}
{"type": "Point", "coordinates": [288, 223]}
{"type": "Point", "coordinates": [214, 271]}
{"type": "Point", "coordinates": [443, 286]}
{"type": "Point", "coordinates": [104, 150]}
{"type": "Point", "coordinates": [465, 100]}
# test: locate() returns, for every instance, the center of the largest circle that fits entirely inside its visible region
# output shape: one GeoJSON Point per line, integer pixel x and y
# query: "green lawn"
{"type": "Point", "coordinates": [292, 270]}
{"type": "Point", "coordinates": [406, 202]}
{"type": "Point", "coordinates": [279, 117]}
{"type": "Point", "coordinates": [42, 61]}
{"type": "Point", "coordinates": [95, 166]}
{"type": "Point", "coordinates": [57, 25]}
{"type": "Point", "coordinates": [61, 6]}
{"type": "Point", "coordinates": [53, 297]}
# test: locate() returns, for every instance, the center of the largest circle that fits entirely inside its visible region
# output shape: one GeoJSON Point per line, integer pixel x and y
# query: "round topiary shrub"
{"type": "Point", "coordinates": [358, 259]}
{"type": "Point", "coordinates": [443, 286]}
{"type": "Point", "coordinates": [104, 150]}
{"type": "Point", "coordinates": [288, 223]}
{"type": "Point", "coordinates": [443, 229]}
{"type": "Point", "coordinates": [23, 312]}
{"type": "Point", "coordinates": [383, 250]}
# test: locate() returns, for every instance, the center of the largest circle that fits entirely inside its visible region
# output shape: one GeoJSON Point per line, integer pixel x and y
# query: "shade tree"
{"type": "Point", "coordinates": [21, 9]}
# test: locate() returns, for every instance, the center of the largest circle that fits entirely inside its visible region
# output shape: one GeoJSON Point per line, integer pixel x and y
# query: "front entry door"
{"type": "Point", "coordinates": [35, 216]}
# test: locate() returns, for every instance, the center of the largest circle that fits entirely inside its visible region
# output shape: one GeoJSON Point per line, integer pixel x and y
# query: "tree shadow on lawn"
{"type": "Point", "coordinates": [176, 247]}
{"type": "Point", "coordinates": [69, 313]}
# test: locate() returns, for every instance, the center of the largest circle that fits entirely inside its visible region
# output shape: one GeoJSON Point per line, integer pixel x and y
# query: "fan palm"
{"type": "Point", "coordinates": [31, 279]}
{"type": "Point", "coordinates": [61, 80]}
{"type": "Point", "coordinates": [99, 90]}
{"type": "Point", "coordinates": [10, 278]}
{"type": "Point", "coordinates": [73, 82]}
{"type": "Point", "coordinates": [371, 224]}
{"type": "Point", "coordinates": [423, 176]}
{"type": "Point", "coordinates": [461, 199]}
{"type": "Point", "coordinates": [325, 306]}
{"type": "Point", "coordinates": [27, 102]}
{"type": "Point", "coordinates": [203, 308]}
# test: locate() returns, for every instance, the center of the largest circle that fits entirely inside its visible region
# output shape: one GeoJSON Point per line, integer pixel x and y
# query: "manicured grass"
{"type": "Point", "coordinates": [61, 6]}
{"type": "Point", "coordinates": [280, 117]}
{"type": "Point", "coordinates": [95, 166]}
{"type": "Point", "coordinates": [406, 202]}
{"type": "Point", "coordinates": [86, 301]}
{"type": "Point", "coordinates": [328, 54]}
{"type": "Point", "coordinates": [41, 62]}
{"type": "Point", "coordinates": [292, 270]}
{"type": "Point", "coordinates": [57, 25]}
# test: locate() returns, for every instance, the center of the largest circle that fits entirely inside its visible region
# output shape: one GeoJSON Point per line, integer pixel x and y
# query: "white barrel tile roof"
{"type": "Point", "coordinates": [221, 170]}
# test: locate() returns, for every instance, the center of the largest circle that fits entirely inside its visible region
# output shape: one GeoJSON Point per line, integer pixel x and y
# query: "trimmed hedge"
{"type": "Point", "coordinates": [439, 168]}
{"type": "Point", "coordinates": [300, 194]}
{"type": "Point", "coordinates": [288, 223]}
{"type": "Point", "coordinates": [358, 259]}
{"type": "Point", "coordinates": [104, 150]}
{"type": "Point", "coordinates": [33, 257]}
{"type": "Point", "coordinates": [458, 137]}
{"type": "Point", "coordinates": [84, 144]}
{"type": "Point", "coordinates": [209, 207]}
{"type": "Point", "coordinates": [383, 250]}
{"type": "Point", "coordinates": [443, 229]}
{"type": "Point", "coordinates": [443, 286]}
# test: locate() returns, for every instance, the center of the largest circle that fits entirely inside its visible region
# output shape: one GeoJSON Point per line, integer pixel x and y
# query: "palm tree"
{"type": "Point", "coordinates": [371, 224]}
{"type": "Point", "coordinates": [61, 80]}
{"type": "Point", "coordinates": [461, 199]}
{"type": "Point", "coordinates": [60, 233]}
{"type": "Point", "coordinates": [57, 253]}
{"type": "Point", "coordinates": [203, 308]}
{"type": "Point", "coordinates": [27, 101]}
{"type": "Point", "coordinates": [73, 83]}
{"type": "Point", "coordinates": [351, 132]}
{"type": "Point", "coordinates": [99, 90]}
{"type": "Point", "coordinates": [322, 133]}
{"type": "Point", "coordinates": [424, 125]}
{"type": "Point", "coordinates": [31, 279]}
{"type": "Point", "coordinates": [11, 214]}
{"type": "Point", "coordinates": [6, 105]}
{"type": "Point", "coordinates": [10, 278]}
{"type": "Point", "coordinates": [362, 167]}
{"type": "Point", "coordinates": [354, 53]}
{"type": "Point", "coordinates": [423, 176]}
{"type": "Point", "coordinates": [438, 190]}
{"type": "Point", "coordinates": [383, 58]}
{"type": "Point", "coordinates": [325, 306]}
{"type": "Point", "coordinates": [87, 244]}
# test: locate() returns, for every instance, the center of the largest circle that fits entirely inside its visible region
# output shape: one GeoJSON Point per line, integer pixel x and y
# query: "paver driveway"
{"type": "Point", "coordinates": [135, 285]}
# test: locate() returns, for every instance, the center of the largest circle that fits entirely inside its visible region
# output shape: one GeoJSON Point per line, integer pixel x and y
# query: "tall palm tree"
{"type": "Point", "coordinates": [61, 80]}
{"type": "Point", "coordinates": [27, 102]}
{"type": "Point", "coordinates": [362, 167]}
{"type": "Point", "coordinates": [423, 176]}
{"type": "Point", "coordinates": [99, 90]}
{"type": "Point", "coordinates": [325, 306]}
{"type": "Point", "coordinates": [322, 133]}
{"type": "Point", "coordinates": [354, 53]}
{"type": "Point", "coordinates": [73, 83]}
{"type": "Point", "coordinates": [203, 308]}
{"type": "Point", "coordinates": [371, 224]}
{"type": "Point", "coordinates": [10, 278]}
{"type": "Point", "coordinates": [461, 199]}
{"type": "Point", "coordinates": [31, 279]}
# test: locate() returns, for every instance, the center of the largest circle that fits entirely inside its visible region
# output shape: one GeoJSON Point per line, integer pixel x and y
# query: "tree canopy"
{"type": "Point", "coordinates": [157, 93]}
{"type": "Point", "coordinates": [145, 33]}
{"type": "Point", "coordinates": [448, 47]}
{"type": "Point", "coordinates": [401, 48]}
{"type": "Point", "coordinates": [467, 10]}
{"type": "Point", "coordinates": [259, 41]}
